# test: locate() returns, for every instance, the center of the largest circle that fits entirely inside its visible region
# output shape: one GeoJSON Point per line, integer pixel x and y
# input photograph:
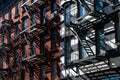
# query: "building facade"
{"type": "Point", "coordinates": [59, 39]}
{"type": "Point", "coordinates": [29, 40]}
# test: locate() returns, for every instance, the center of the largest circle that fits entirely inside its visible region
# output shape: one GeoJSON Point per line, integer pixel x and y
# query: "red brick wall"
{"type": "Point", "coordinates": [27, 47]}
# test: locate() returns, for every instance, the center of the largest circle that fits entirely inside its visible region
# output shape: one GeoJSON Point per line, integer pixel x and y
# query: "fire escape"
{"type": "Point", "coordinates": [45, 35]}
{"type": "Point", "coordinates": [91, 30]}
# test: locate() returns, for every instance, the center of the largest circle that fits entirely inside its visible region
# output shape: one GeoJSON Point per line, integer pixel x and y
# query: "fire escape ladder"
{"type": "Point", "coordinates": [86, 46]}
{"type": "Point", "coordinates": [82, 38]}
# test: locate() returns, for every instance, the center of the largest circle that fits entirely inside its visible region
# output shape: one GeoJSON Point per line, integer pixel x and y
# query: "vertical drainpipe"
{"type": "Point", "coordinates": [82, 52]}
{"type": "Point", "coordinates": [53, 41]}
{"type": "Point", "coordinates": [99, 32]}
{"type": "Point", "coordinates": [117, 28]}
{"type": "Point", "coordinates": [42, 40]}
{"type": "Point", "coordinates": [67, 43]}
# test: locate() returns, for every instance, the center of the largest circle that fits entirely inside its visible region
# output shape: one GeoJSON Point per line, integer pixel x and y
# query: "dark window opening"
{"type": "Point", "coordinates": [16, 32]}
{"type": "Point", "coordinates": [23, 50]}
{"type": "Point", "coordinates": [32, 48]}
{"type": "Point", "coordinates": [33, 17]}
{"type": "Point", "coordinates": [23, 11]}
{"type": "Point", "coordinates": [10, 13]}
{"type": "Point", "coordinates": [53, 40]}
{"type": "Point", "coordinates": [42, 47]}
{"type": "Point", "coordinates": [9, 35]}
{"type": "Point", "coordinates": [24, 24]}
{"type": "Point", "coordinates": [17, 10]}
{"type": "Point", "coordinates": [2, 36]}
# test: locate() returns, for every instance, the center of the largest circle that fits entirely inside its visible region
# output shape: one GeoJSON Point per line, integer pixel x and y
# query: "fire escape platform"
{"type": "Point", "coordinates": [35, 61]}
{"type": "Point", "coordinates": [87, 60]}
{"type": "Point", "coordinates": [35, 58]}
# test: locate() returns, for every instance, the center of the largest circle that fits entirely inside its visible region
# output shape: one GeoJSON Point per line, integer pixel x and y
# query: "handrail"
{"type": "Point", "coordinates": [27, 29]}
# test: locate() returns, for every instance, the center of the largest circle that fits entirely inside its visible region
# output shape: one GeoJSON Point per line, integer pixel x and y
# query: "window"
{"type": "Point", "coordinates": [53, 40]}
{"type": "Point", "coordinates": [33, 19]}
{"type": "Point", "coordinates": [32, 48]}
{"type": "Point", "coordinates": [23, 50]}
{"type": "Point", "coordinates": [42, 47]}
{"type": "Point", "coordinates": [10, 13]}
{"type": "Point", "coordinates": [24, 24]}
{"type": "Point", "coordinates": [16, 31]}
{"type": "Point", "coordinates": [9, 35]}
{"type": "Point", "coordinates": [17, 10]}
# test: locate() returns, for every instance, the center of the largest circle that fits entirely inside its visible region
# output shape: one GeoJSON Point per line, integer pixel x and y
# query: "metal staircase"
{"type": "Point", "coordinates": [86, 47]}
